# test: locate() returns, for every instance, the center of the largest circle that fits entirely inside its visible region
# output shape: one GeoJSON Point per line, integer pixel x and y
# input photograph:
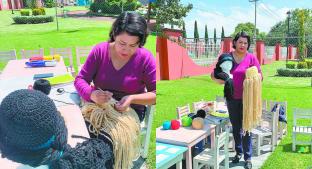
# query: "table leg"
{"type": "Point", "coordinates": [188, 158]}
{"type": "Point", "coordinates": [212, 136]}
{"type": "Point", "coordinates": [179, 165]}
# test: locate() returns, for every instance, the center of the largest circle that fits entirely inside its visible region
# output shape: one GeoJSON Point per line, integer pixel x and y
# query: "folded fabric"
{"type": "Point", "coordinates": [281, 113]}
{"type": "Point", "coordinates": [60, 79]}
{"type": "Point", "coordinates": [222, 71]}
{"type": "Point", "coordinates": [41, 63]}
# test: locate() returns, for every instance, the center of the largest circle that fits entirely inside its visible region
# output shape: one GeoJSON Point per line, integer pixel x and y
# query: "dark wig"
{"type": "Point", "coordinates": [131, 23]}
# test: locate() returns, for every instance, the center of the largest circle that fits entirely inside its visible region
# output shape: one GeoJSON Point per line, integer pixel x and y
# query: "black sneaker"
{"type": "Point", "coordinates": [236, 158]}
{"type": "Point", "coordinates": [248, 164]}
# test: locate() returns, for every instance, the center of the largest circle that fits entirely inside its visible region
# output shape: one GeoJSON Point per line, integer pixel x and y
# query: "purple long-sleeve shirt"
{"type": "Point", "coordinates": [239, 71]}
{"type": "Point", "coordinates": [137, 76]}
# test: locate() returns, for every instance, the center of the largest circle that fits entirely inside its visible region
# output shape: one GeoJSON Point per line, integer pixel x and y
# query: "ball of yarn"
{"type": "Point", "coordinates": [166, 125]}
{"type": "Point", "coordinates": [175, 124]}
{"type": "Point", "coordinates": [186, 121]}
{"type": "Point", "coordinates": [198, 123]}
{"type": "Point", "coordinates": [201, 113]}
{"type": "Point", "coordinates": [42, 85]}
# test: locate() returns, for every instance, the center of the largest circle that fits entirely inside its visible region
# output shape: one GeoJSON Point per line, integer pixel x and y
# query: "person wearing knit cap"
{"type": "Point", "coordinates": [33, 132]}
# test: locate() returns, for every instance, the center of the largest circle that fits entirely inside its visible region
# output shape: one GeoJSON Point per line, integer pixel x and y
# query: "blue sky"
{"type": "Point", "coordinates": [228, 13]}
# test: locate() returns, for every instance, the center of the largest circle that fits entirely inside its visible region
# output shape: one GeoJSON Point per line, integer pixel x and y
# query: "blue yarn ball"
{"type": "Point", "coordinates": [166, 125]}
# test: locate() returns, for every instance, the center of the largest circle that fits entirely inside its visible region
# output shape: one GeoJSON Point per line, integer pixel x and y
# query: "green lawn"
{"type": "Point", "coordinates": [72, 33]}
{"type": "Point", "coordinates": [296, 91]}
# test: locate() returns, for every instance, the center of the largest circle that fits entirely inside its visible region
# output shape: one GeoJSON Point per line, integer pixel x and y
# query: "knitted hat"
{"type": "Point", "coordinates": [31, 128]}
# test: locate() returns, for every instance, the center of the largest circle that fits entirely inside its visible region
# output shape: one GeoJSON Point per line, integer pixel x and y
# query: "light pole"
{"type": "Point", "coordinates": [57, 26]}
{"type": "Point", "coordinates": [255, 32]}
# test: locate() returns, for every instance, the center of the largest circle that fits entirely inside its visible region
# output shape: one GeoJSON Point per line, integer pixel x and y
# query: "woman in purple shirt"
{"type": "Point", "coordinates": [121, 68]}
{"type": "Point", "coordinates": [242, 61]}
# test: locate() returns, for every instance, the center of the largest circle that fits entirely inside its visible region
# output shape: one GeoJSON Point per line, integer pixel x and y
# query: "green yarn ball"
{"type": "Point", "coordinates": [186, 121]}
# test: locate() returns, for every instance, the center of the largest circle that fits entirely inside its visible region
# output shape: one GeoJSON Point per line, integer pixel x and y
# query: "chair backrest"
{"type": "Point", "coordinates": [222, 140]}
{"type": "Point", "coordinates": [82, 52]}
{"type": "Point", "coordinates": [300, 113]}
{"type": "Point", "coordinates": [270, 119]}
{"type": "Point", "coordinates": [5, 56]}
{"type": "Point", "coordinates": [183, 110]}
{"type": "Point", "coordinates": [198, 105]}
{"type": "Point", "coordinates": [147, 128]}
{"type": "Point", "coordinates": [64, 52]}
{"type": "Point", "coordinates": [26, 54]}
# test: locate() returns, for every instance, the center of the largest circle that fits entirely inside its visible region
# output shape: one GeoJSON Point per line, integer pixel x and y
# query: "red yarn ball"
{"type": "Point", "coordinates": [175, 124]}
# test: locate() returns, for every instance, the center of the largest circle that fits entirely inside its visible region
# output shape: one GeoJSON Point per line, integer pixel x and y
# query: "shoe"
{"type": "Point", "coordinates": [236, 158]}
{"type": "Point", "coordinates": [248, 164]}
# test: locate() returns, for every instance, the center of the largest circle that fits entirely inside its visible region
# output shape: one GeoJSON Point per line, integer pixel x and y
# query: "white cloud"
{"type": "Point", "coordinates": [267, 16]}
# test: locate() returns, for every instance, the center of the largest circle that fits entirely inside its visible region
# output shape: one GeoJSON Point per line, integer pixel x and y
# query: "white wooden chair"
{"type": "Point", "coordinates": [146, 129]}
{"type": "Point", "coordinates": [266, 129]}
{"type": "Point", "coordinates": [26, 54]}
{"type": "Point", "coordinates": [82, 52]}
{"type": "Point", "coordinates": [66, 53]}
{"type": "Point", "coordinates": [282, 127]}
{"type": "Point", "coordinates": [183, 110]}
{"type": "Point", "coordinates": [198, 105]}
{"type": "Point", "coordinates": [304, 129]}
{"type": "Point", "coordinates": [213, 157]}
{"type": "Point", "coordinates": [6, 56]}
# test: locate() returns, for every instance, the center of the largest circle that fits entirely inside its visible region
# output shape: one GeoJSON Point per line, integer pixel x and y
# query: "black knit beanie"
{"type": "Point", "coordinates": [33, 132]}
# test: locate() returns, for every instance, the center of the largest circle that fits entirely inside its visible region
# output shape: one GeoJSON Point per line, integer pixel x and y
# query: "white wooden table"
{"type": "Point", "coordinates": [186, 136]}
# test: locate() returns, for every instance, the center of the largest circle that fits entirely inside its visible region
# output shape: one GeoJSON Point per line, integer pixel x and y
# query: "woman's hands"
{"type": "Point", "coordinates": [124, 103]}
{"type": "Point", "coordinates": [100, 97]}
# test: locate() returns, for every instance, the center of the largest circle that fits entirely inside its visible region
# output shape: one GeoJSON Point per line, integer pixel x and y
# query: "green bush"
{"type": "Point", "coordinates": [302, 65]}
{"type": "Point", "coordinates": [49, 3]}
{"type": "Point", "coordinates": [32, 19]}
{"type": "Point", "coordinates": [309, 63]}
{"type": "Point", "coordinates": [291, 65]}
{"type": "Point", "coordinates": [112, 7]}
{"type": "Point", "coordinates": [36, 12]}
{"type": "Point", "coordinates": [24, 13]}
{"type": "Point", "coordinates": [294, 72]}
{"type": "Point", "coordinates": [42, 11]}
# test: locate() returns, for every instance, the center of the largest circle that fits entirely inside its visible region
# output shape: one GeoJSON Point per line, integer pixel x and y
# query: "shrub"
{"type": "Point", "coordinates": [36, 12]}
{"type": "Point", "coordinates": [309, 63]}
{"type": "Point", "coordinates": [42, 11]}
{"type": "Point", "coordinates": [291, 65]}
{"type": "Point", "coordinates": [112, 7]}
{"type": "Point", "coordinates": [294, 72]}
{"type": "Point", "coordinates": [49, 3]}
{"type": "Point", "coordinates": [32, 19]}
{"type": "Point", "coordinates": [24, 13]}
{"type": "Point", "coordinates": [302, 65]}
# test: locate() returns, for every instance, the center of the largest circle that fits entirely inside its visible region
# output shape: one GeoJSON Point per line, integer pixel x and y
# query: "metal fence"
{"type": "Point", "coordinates": [203, 52]}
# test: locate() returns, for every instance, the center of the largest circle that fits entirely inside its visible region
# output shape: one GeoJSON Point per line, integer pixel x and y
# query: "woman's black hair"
{"type": "Point", "coordinates": [243, 35]}
{"type": "Point", "coordinates": [132, 23]}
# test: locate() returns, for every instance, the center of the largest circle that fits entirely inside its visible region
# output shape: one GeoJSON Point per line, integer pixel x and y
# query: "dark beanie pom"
{"type": "Point", "coordinates": [42, 85]}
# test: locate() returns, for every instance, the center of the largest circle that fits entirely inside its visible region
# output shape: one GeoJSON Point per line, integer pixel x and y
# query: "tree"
{"type": "Point", "coordinates": [301, 44]}
{"type": "Point", "coordinates": [222, 33]}
{"type": "Point", "coordinates": [196, 35]}
{"type": "Point", "coordinates": [184, 31]}
{"type": "Point", "coordinates": [170, 12]}
{"type": "Point", "coordinates": [206, 40]}
{"type": "Point", "coordinates": [215, 36]}
{"type": "Point", "coordinates": [248, 27]}
{"type": "Point", "coordinates": [278, 32]}
{"type": "Point", "coordinates": [206, 35]}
